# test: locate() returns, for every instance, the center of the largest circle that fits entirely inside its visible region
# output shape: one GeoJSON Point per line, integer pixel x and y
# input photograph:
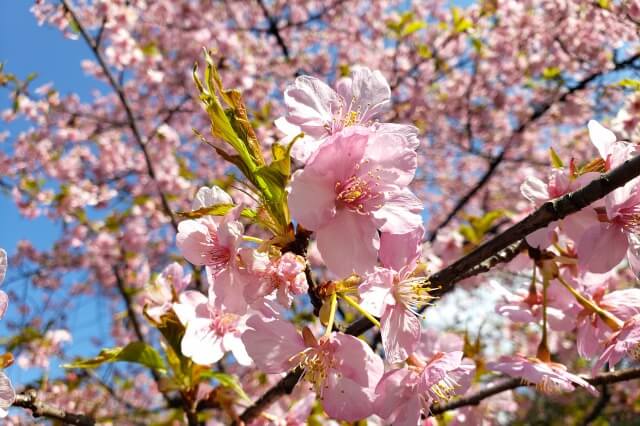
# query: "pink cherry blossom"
{"type": "Point", "coordinates": [214, 242]}
{"type": "Point", "coordinates": [165, 290]}
{"type": "Point", "coordinates": [7, 394]}
{"type": "Point", "coordinates": [548, 377]}
{"type": "Point", "coordinates": [404, 393]}
{"type": "Point", "coordinates": [526, 307]}
{"type": "Point", "coordinates": [396, 295]}
{"type": "Point", "coordinates": [342, 369]}
{"type": "Point", "coordinates": [624, 342]}
{"type": "Point", "coordinates": [319, 111]}
{"type": "Point", "coordinates": [207, 197]}
{"type": "Point", "coordinates": [604, 244]}
{"type": "Point", "coordinates": [353, 186]}
{"type": "Point", "coordinates": [210, 332]}
{"type": "Point", "coordinates": [560, 182]}
{"type": "Point", "coordinates": [4, 299]}
{"type": "Point", "coordinates": [284, 275]}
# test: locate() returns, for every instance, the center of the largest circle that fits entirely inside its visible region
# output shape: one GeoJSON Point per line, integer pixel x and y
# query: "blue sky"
{"type": "Point", "coordinates": [26, 47]}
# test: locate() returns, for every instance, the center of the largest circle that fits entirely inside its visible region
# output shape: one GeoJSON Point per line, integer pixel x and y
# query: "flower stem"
{"type": "Point", "coordinates": [543, 349]}
{"type": "Point", "coordinates": [332, 313]}
{"type": "Point", "coordinates": [358, 308]}
{"type": "Point", "coordinates": [607, 317]}
{"type": "Point", "coordinates": [252, 239]}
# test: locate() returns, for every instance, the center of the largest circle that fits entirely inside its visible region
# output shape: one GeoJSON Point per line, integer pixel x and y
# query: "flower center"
{"type": "Point", "coordinates": [222, 323]}
{"type": "Point", "coordinates": [316, 361]}
{"type": "Point", "coordinates": [444, 390]}
{"type": "Point", "coordinates": [217, 256]}
{"type": "Point", "coordinates": [358, 194]}
{"type": "Point", "coordinates": [414, 293]}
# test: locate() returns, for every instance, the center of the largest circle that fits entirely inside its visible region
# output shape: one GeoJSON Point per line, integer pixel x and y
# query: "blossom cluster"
{"type": "Point", "coordinates": [351, 191]}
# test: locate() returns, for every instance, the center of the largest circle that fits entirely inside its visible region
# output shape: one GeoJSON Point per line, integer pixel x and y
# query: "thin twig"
{"type": "Point", "coordinates": [30, 401]}
{"type": "Point", "coordinates": [131, 120]}
{"type": "Point", "coordinates": [493, 389]}
{"type": "Point", "coordinates": [535, 115]}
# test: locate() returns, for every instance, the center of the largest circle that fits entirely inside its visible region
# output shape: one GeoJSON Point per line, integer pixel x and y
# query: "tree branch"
{"type": "Point", "coordinates": [493, 389]}
{"type": "Point", "coordinates": [131, 120]}
{"type": "Point", "coordinates": [537, 113]}
{"type": "Point", "coordinates": [29, 400]}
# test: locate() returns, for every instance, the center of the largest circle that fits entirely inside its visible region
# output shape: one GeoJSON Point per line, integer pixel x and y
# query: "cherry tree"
{"type": "Point", "coordinates": [288, 231]}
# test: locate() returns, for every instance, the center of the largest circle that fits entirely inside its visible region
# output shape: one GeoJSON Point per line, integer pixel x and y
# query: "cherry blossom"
{"type": "Point", "coordinates": [548, 377]}
{"type": "Point", "coordinates": [353, 186]}
{"type": "Point", "coordinates": [333, 365]}
{"type": "Point", "coordinates": [210, 332]}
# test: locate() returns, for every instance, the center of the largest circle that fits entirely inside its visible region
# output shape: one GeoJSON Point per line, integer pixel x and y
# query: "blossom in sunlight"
{"type": "Point", "coordinates": [354, 186]}
{"type": "Point", "coordinates": [625, 341]}
{"type": "Point", "coordinates": [214, 242]}
{"type": "Point", "coordinates": [395, 295]}
{"type": "Point", "coordinates": [614, 233]}
{"type": "Point", "coordinates": [548, 377]}
{"type": "Point", "coordinates": [404, 393]}
{"type": "Point", "coordinates": [319, 111]}
{"type": "Point", "coordinates": [342, 369]}
{"type": "Point", "coordinates": [284, 275]}
{"type": "Point", "coordinates": [4, 299]}
{"type": "Point", "coordinates": [210, 332]}
{"type": "Point", "coordinates": [7, 394]}
{"type": "Point", "coordinates": [165, 290]}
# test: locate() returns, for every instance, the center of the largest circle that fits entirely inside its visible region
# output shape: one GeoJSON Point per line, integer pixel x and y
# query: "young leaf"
{"type": "Point", "coordinates": [556, 162]}
{"type": "Point", "coordinates": [135, 352]}
{"type": "Point", "coordinates": [225, 380]}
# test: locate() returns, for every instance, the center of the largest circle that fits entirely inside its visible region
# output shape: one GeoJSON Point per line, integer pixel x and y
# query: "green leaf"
{"type": "Point", "coordinates": [556, 162]}
{"type": "Point", "coordinates": [424, 51]}
{"type": "Point", "coordinates": [413, 27]}
{"type": "Point", "coordinates": [630, 84]}
{"type": "Point", "coordinates": [604, 4]}
{"type": "Point", "coordinates": [460, 22]}
{"type": "Point", "coordinates": [225, 380]}
{"type": "Point", "coordinates": [551, 73]}
{"type": "Point", "coordinates": [215, 210]}
{"type": "Point", "coordinates": [135, 352]}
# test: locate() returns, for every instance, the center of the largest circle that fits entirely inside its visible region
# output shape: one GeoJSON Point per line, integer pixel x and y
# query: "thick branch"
{"type": "Point", "coordinates": [493, 389]}
{"type": "Point", "coordinates": [29, 400]}
{"type": "Point", "coordinates": [537, 113]}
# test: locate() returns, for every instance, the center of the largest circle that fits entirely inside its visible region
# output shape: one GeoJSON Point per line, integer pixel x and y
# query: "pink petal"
{"type": "Point", "coordinates": [7, 393]}
{"type": "Point", "coordinates": [344, 399]}
{"type": "Point", "coordinates": [312, 199]}
{"type": "Point", "coordinates": [534, 190]}
{"type": "Point", "coordinates": [359, 362]}
{"type": "Point", "coordinates": [375, 290]}
{"type": "Point", "coordinates": [392, 392]}
{"type": "Point", "coordinates": [201, 344]}
{"type": "Point", "coordinates": [349, 244]}
{"type": "Point", "coordinates": [310, 103]}
{"type": "Point", "coordinates": [187, 309]}
{"type": "Point", "coordinates": [367, 91]}
{"type": "Point", "coordinates": [601, 248]}
{"type": "Point", "coordinates": [400, 331]}
{"type": "Point", "coordinates": [3, 264]}
{"type": "Point", "coordinates": [400, 212]}
{"type": "Point", "coordinates": [391, 159]}
{"type": "Point", "coordinates": [4, 303]}
{"type": "Point", "coordinates": [400, 250]}
{"type": "Point", "coordinates": [272, 343]}
{"type": "Point", "coordinates": [601, 137]}
{"type": "Point", "coordinates": [191, 240]}
{"type": "Point", "coordinates": [226, 290]}
{"type": "Point", "coordinates": [339, 156]}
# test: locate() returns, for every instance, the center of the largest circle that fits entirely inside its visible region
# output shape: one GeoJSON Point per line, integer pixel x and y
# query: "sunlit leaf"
{"type": "Point", "coordinates": [135, 352]}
